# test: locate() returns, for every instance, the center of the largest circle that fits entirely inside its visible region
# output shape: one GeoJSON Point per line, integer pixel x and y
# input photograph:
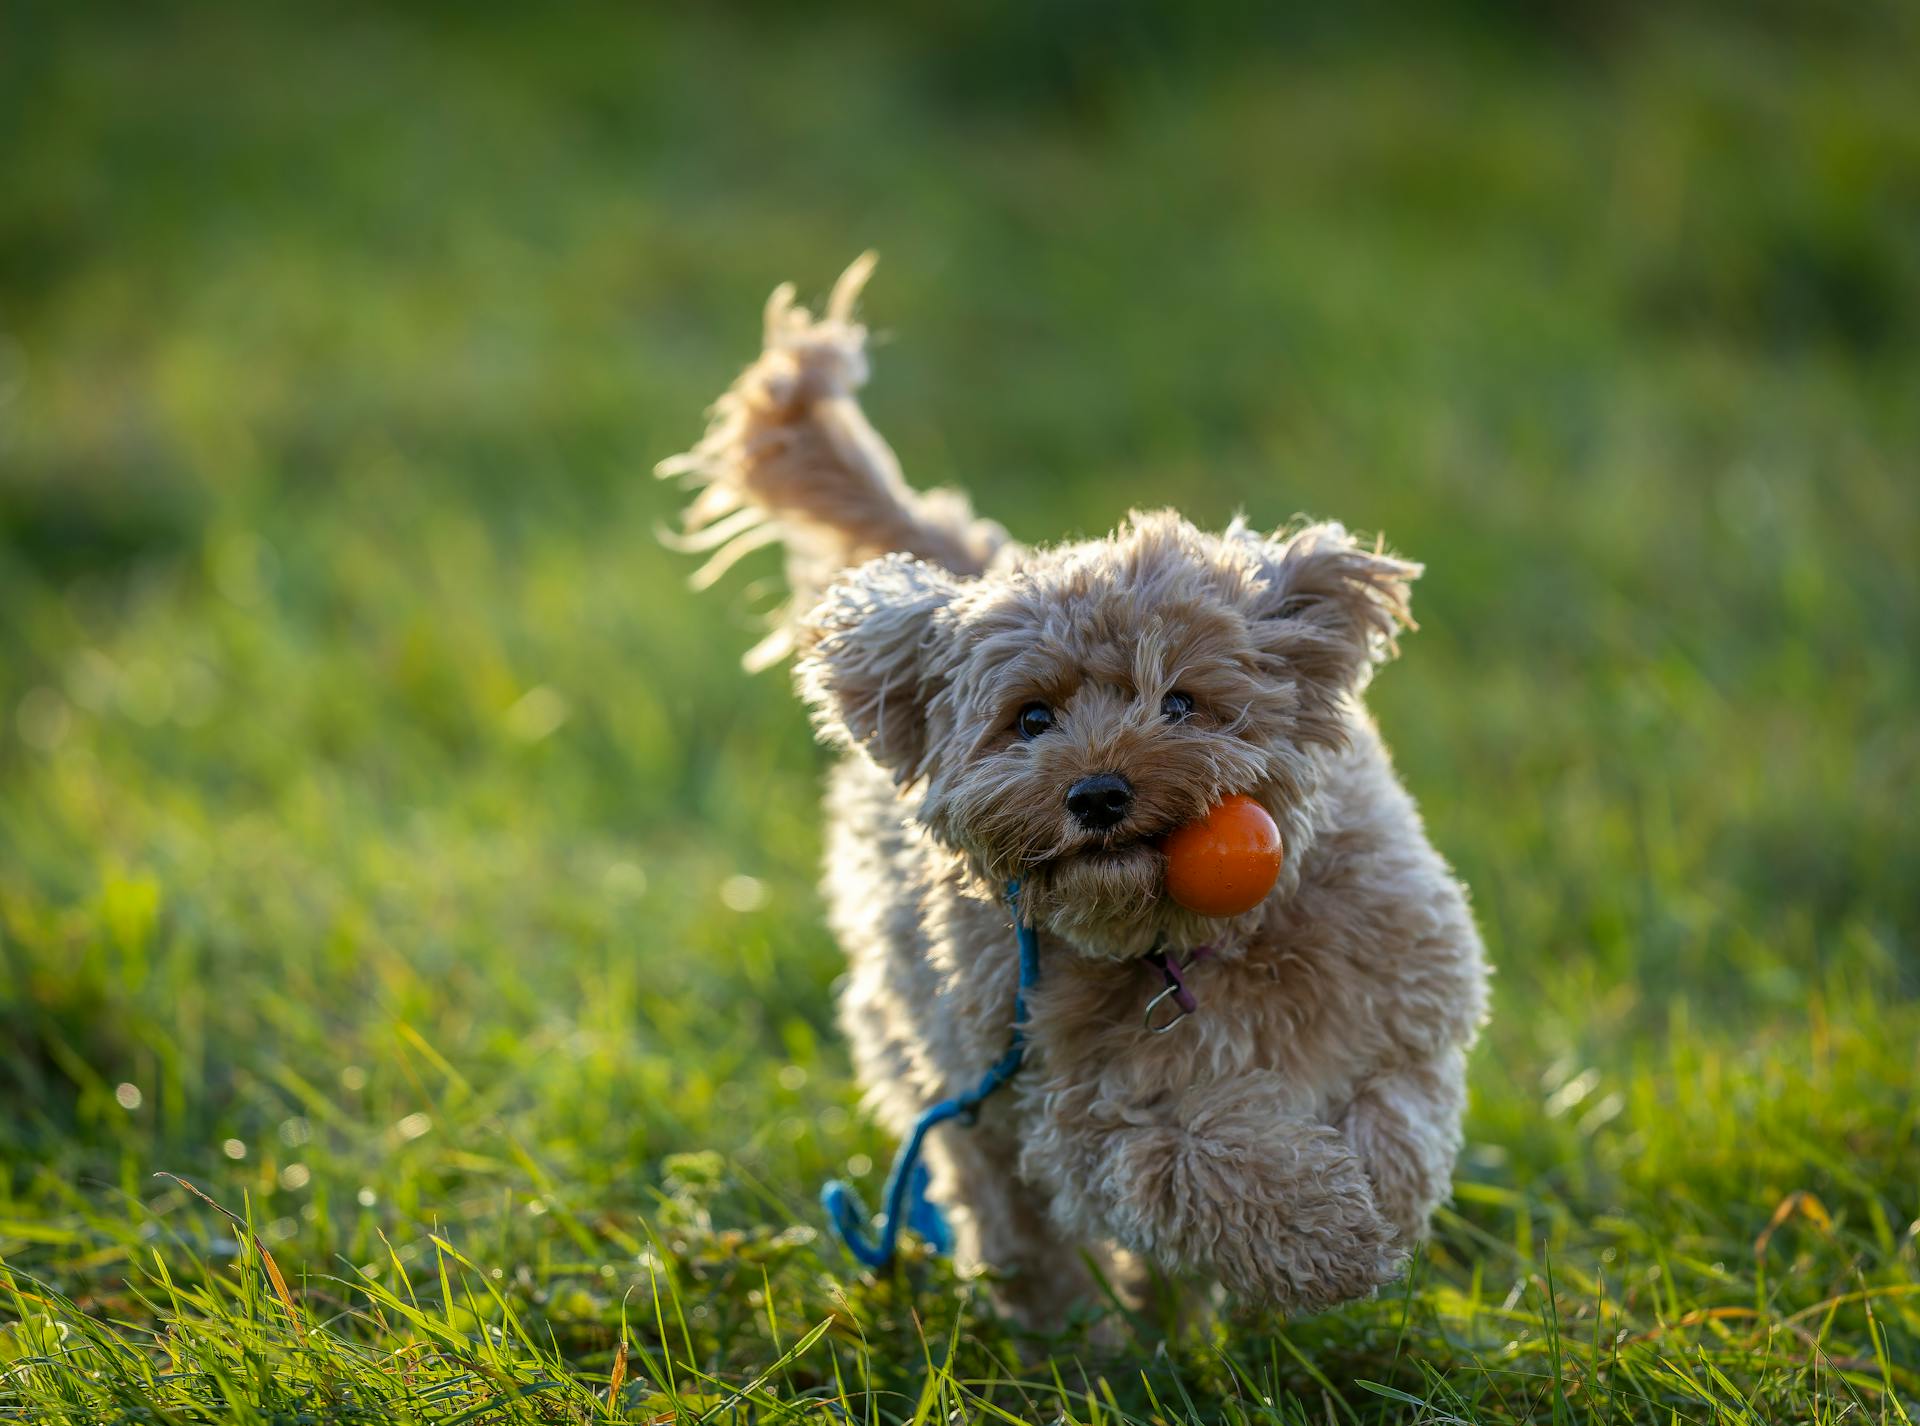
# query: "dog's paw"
{"type": "Point", "coordinates": [1313, 1254]}
{"type": "Point", "coordinates": [1283, 1219]}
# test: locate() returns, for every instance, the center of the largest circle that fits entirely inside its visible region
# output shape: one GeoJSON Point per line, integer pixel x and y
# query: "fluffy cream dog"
{"type": "Point", "coordinates": [1290, 1138]}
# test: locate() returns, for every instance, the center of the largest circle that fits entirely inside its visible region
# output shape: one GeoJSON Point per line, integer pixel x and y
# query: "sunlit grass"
{"type": "Point", "coordinates": [391, 848]}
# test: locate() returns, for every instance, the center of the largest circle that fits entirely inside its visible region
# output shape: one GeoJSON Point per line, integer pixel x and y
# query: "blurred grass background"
{"type": "Point", "coordinates": [390, 842]}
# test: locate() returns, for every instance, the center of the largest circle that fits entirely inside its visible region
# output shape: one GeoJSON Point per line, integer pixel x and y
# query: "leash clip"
{"type": "Point", "coordinates": [1176, 991]}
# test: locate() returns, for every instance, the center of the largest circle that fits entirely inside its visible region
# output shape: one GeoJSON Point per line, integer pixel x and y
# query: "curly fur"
{"type": "Point", "coordinates": [1292, 1138]}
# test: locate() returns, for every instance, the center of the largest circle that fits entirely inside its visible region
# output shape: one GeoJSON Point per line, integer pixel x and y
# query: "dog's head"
{"type": "Point", "coordinates": [1057, 716]}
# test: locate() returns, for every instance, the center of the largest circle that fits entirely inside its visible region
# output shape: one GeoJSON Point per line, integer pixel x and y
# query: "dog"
{"type": "Point", "coordinates": [1291, 1138]}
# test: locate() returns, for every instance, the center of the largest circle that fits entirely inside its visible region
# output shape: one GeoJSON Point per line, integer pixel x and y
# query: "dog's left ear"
{"type": "Point", "coordinates": [1331, 609]}
{"type": "Point", "coordinates": [869, 663]}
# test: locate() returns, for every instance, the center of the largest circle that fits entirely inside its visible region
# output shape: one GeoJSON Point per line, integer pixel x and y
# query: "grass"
{"type": "Point", "coordinates": [391, 849]}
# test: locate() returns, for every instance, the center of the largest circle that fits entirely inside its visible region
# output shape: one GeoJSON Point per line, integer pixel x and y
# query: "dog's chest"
{"type": "Point", "coordinates": [1090, 1021]}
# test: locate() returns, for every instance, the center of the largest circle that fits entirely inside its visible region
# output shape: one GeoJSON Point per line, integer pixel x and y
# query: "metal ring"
{"type": "Point", "coordinates": [1154, 1004]}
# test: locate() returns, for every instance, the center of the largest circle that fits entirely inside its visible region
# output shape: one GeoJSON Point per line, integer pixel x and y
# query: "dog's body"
{"type": "Point", "coordinates": [1291, 1138]}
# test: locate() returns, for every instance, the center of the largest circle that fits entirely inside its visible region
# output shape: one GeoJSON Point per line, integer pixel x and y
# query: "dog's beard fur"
{"type": "Point", "coordinates": [1269, 639]}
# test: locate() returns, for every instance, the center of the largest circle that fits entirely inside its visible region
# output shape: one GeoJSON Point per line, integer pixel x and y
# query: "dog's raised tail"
{"type": "Point", "coordinates": [789, 456]}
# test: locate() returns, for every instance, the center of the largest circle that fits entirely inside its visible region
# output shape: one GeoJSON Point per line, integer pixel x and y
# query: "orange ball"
{"type": "Point", "coordinates": [1226, 862]}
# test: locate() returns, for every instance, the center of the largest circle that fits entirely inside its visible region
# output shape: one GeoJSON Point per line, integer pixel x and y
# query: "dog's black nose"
{"type": "Point", "coordinates": [1100, 801]}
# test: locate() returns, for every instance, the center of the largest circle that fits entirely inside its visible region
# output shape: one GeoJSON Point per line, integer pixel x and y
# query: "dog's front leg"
{"type": "Point", "coordinates": [1228, 1179]}
{"type": "Point", "coordinates": [1405, 1126]}
{"type": "Point", "coordinates": [1002, 1224]}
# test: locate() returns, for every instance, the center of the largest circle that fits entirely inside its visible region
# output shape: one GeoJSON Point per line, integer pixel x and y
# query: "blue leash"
{"type": "Point", "coordinates": [907, 1201]}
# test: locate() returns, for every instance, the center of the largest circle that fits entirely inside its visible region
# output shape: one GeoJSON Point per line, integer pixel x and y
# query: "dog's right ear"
{"type": "Point", "coordinates": [868, 666]}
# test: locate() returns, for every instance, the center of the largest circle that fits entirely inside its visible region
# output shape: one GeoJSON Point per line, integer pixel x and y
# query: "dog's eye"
{"type": "Point", "coordinates": [1175, 706]}
{"type": "Point", "coordinates": [1033, 720]}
